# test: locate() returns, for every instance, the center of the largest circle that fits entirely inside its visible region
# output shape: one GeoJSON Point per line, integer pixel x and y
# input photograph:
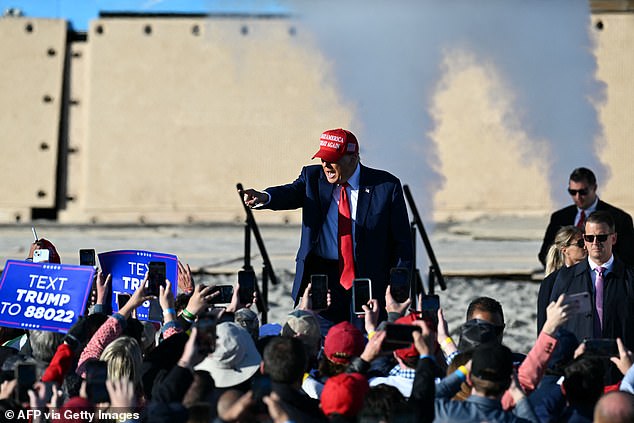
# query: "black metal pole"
{"type": "Point", "coordinates": [258, 237]}
{"type": "Point", "coordinates": [265, 294]}
{"type": "Point", "coordinates": [247, 247]}
{"type": "Point", "coordinates": [431, 281]}
{"type": "Point", "coordinates": [423, 234]}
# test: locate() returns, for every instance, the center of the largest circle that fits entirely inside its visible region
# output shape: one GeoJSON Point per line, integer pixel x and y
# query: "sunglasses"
{"type": "Point", "coordinates": [600, 238]}
{"type": "Point", "coordinates": [573, 192]}
{"type": "Point", "coordinates": [578, 243]}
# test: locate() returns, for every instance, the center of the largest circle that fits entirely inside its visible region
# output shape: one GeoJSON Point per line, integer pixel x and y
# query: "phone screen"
{"type": "Point", "coordinates": [246, 280]}
{"type": "Point", "coordinates": [122, 300]}
{"type": "Point", "coordinates": [399, 284]}
{"type": "Point", "coordinates": [601, 347]}
{"type": "Point", "coordinates": [206, 333]}
{"type": "Point", "coordinates": [225, 294]}
{"type": "Point", "coordinates": [361, 294]}
{"type": "Point", "coordinates": [87, 257]}
{"type": "Point", "coordinates": [319, 291]}
{"type": "Point", "coordinates": [261, 387]}
{"type": "Point", "coordinates": [579, 303]}
{"type": "Point", "coordinates": [25, 377]}
{"type": "Point", "coordinates": [400, 334]}
{"type": "Point", "coordinates": [96, 376]}
{"type": "Point", "coordinates": [429, 309]}
{"type": "Point", "coordinates": [156, 277]}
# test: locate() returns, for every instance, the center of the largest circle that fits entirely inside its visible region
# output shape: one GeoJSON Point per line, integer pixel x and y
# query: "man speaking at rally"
{"type": "Point", "coordinates": [354, 222]}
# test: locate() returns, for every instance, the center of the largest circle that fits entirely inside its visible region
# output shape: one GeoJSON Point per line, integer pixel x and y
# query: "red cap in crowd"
{"type": "Point", "coordinates": [343, 342]}
{"type": "Point", "coordinates": [344, 394]}
{"type": "Point", "coordinates": [410, 351]}
{"type": "Point", "coordinates": [71, 411]}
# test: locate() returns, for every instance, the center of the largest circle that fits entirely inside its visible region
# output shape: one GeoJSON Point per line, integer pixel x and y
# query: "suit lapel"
{"type": "Point", "coordinates": [582, 270]}
{"type": "Point", "coordinates": [363, 199]}
{"type": "Point", "coordinates": [572, 214]}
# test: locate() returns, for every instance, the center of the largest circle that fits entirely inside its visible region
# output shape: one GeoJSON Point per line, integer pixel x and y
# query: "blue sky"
{"type": "Point", "coordinates": [80, 12]}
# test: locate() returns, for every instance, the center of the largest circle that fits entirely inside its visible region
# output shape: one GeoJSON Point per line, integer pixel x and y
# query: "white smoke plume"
{"type": "Point", "coordinates": [387, 60]}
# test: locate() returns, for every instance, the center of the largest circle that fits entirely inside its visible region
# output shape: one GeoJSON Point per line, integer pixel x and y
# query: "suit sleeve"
{"type": "Point", "coordinates": [543, 299]}
{"type": "Point", "coordinates": [625, 239]}
{"type": "Point", "coordinates": [401, 231]}
{"type": "Point", "coordinates": [549, 237]}
{"type": "Point", "coordinates": [290, 196]}
{"type": "Point", "coordinates": [424, 390]}
{"type": "Point", "coordinates": [532, 369]}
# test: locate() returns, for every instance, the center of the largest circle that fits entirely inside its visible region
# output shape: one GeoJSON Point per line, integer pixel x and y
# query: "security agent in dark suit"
{"type": "Point", "coordinates": [616, 319]}
{"type": "Point", "coordinates": [582, 187]}
{"type": "Point", "coordinates": [380, 225]}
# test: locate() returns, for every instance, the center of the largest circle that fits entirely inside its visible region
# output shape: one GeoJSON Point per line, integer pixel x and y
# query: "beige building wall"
{"type": "Point", "coordinates": [177, 111]}
{"type": "Point", "coordinates": [615, 60]}
{"type": "Point", "coordinates": [165, 116]}
{"type": "Point", "coordinates": [31, 75]}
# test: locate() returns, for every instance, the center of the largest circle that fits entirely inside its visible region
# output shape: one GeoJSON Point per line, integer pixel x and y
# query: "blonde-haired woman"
{"type": "Point", "coordinates": [122, 353]}
{"type": "Point", "coordinates": [124, 359]}
{"type": "Point", "coordinates": [567, 249]}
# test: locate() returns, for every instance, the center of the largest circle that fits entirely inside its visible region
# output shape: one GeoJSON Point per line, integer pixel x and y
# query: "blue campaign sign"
{"type": "Point", "coordinates": [44, 296]}
{"type": "Point", "coordinates": [128, 269]}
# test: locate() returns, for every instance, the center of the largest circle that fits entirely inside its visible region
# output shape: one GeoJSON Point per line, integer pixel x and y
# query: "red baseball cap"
{"type": "Point", "coordinates": [410, 351]}
{"type": "Point", "coordinates": [336, 143]}
{"type": "Point", "coordinates": [344, 394]}
{"type": "Point", "coordinates": [343, 342]}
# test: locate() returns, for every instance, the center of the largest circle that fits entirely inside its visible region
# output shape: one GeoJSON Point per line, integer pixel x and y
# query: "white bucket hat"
{"type": "Point", "coordinates": [235, 359]}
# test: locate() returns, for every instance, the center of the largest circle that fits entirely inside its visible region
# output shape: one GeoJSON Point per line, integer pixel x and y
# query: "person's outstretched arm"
{"type": "Point", "coordinates": [532, 369]}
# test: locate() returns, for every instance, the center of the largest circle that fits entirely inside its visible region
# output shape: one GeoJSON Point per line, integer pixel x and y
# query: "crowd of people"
{"type": "Point", "coordinates": [392, 362]}
{"type": "Point", "coordinates": [208, 364]}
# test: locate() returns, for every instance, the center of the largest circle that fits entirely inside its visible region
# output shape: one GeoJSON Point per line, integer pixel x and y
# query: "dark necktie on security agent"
{"type": "Point", "coordinates": [582, 220]}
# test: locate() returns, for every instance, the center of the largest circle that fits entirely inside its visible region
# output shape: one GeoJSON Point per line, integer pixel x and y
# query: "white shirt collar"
{"type": "Point", "coordinates": [590, 209]}
{"type": "Point", "coordinates": [607, 265]}
{"type": "Point", "coordinates": [353, 181]}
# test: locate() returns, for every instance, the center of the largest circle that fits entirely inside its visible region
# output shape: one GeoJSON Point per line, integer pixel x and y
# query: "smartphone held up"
{"type": "Point", "coordinates": [87, 257]}
{"type": "Point", "coordinates": [206, 333]}
{"type": "Point", "coordinates": [400, 334]}
{"type": "Point", "coordinates": [25, 376]}
{"type": "Point", "coordinates": [224, 296]}
{"type": "Point", "coordinates": [319, 291]}
{"type": "Point", "coordinates": [429, 306]}
{"type": "Point", "coordinates": [399, 284]}
{"type": "Point", "coordinates": [156, 277]}
{"type": "Point", "coordinates": [41, 256]}
{"type": "Point", "coordinates": [246, 282]}
{"type": "Point", "coordinates": [96, 376]}
{"type": "Point", "coordinates": [361, 294]}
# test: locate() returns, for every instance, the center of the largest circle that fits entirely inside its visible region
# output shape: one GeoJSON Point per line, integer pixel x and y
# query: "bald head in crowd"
{"type": "Point", "coordinates": [615, 407]}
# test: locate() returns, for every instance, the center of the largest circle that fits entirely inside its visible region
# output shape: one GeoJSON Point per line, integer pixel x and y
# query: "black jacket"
{"type": "Point", "coordinates": [299, 406]}
{"type": "Point", "coordinates": [543, 298]}
{"type": "Point", "coordinates": [618, 302]}
{"type": "Point", "coordinates": [624, 248]}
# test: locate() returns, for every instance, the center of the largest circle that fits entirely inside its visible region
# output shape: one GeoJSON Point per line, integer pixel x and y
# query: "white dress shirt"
{"type": "Point", "coordinates": [587, 211]}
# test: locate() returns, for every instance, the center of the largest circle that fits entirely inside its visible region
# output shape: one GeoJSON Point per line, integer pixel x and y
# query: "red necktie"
{"type": "Point", "coordinates": [346, 249]}
{"type": "Point", "coordinates": [582, 220]}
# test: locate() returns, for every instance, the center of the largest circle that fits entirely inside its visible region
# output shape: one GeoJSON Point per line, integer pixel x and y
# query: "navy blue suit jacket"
{"type": "Point", "coordinates": [382, 231]}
